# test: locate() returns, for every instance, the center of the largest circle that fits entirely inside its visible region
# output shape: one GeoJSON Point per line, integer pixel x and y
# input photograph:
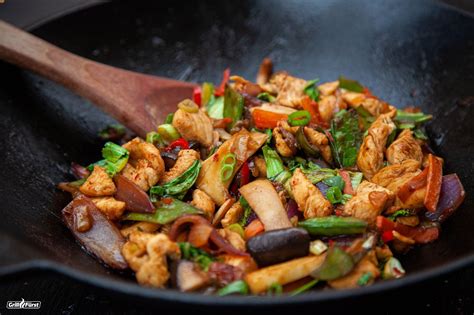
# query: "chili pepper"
{"type": "Point", "coordinates": [334, 225]}
{"type": "Point", "coordinates": [387, 236]}
{"type": "Point", "coordinates": [197, 96]}
{"type": "Point", "coordinates": [220, 90]}
{"type": "Point", "coordinates": [181, 142]}
{"type": "Point", "coordinates": [299, 118]}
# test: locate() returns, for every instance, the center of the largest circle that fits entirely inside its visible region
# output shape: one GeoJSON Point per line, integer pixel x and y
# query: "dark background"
{"type": "Point", "coordinates": [452, 294]}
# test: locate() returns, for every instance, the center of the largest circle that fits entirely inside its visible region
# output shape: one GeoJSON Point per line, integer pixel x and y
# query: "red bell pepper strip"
{"type": "Point", "coordinates": [220, 90]}
{"type": "Point", "coordinates": [387, 236]}
{"type": "Point", "coordinates": [421, 235]}
{"type": "Point", "coordinates": [417, 182]}
{"type": "Point", "coordinates": [197, 95]}
{"type": "Point", "coordinates": [347, 179]}
{"type": "Point", "coordinates": [313, 108]}
{"type": "Point", "coordinates": [434, 179]}
{"type": "Point", "coordinates": [265, 119]}
{"type": "Point", "coordinates": [182, 143]}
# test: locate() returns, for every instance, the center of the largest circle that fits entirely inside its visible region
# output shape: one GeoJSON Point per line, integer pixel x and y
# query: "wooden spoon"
{"type": "Point", "coordinates": [138, 101]}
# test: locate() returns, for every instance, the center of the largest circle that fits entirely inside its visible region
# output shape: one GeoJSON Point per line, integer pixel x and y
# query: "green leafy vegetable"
{"type": "Point", "coordinates": [247, 211]}
{"type": "Point", "coordinates": [165, 213]}
{"type": "Point", "coordinates": [414, 118]}
{"type": "Point", "coordinates": [276, 171]}
{"type": "Point", "coordinates": [334, 195]}
{"type": "Point", "coordinates": [334, 225]}
{"type": "Point", "coordinates": [305, 287]}
{"type": "Point", "coordinates": [364, 279]}
{"type": "Point", "coordinates": [239, 287]}
{"type": "Point", "coordinates": [233, 106]}
{"type": "Point", "coordinates": [350, 85]}
{"type": "Point", "coordinates": [178, 186]}
{"type": "Point", "coordinates": [311, 90]}
{"type": "Point", "coordinates": [313, 172]}
{"type": "Point", "coordinates": [207, 93]}
{"type": "Point", "coordinates": [275, 289]}
{"type": "Point", "coordinates": [169, 118]}
{"type": "Point", "coordinates": [365, 117]}
{"type": "Point", "coordinates": [115, 159]}
{"type": "Point", "coordinates": [335, 181]}
{"type": "Point", "coordinates": [400, 213]}
{"type": "Point", "coordinates": [111, 132]}
{"type": "Point", "coordinates": [215, 107]}
{"type": "Point", "coordinates": [337, 264]}
{"type": "Point", "coordinates": [356, 179]}
{"type": "Point", "coordinates": [346, 138]}
{"type": "Point", "coordinates": [266, 97]}
{"type": "Point", "coordinates": [202, 258]}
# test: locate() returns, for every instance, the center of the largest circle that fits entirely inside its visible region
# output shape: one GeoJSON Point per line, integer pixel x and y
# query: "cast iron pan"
{"type": "Point", "coordinates": [407, 52]}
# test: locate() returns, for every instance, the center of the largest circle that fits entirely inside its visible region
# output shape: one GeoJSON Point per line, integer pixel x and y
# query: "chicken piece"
{"type": "Point", "coordinates": [98, 184]}
{"type": "Point", "coordinates": [233, 215]}
{"type": "Point", "coordinates": [185, 159]}
{"type": "Point", "coordinates": [319, 140]}
{"type": "Point", "coordinates": [393, 177]}
{"type": "Point", "coordinates": [145, 165]}
{"type": "Point", "coordinates": [245, 263]}
{"type": "Point", "coordinates": [284, 124]}
{"type": "Point", "coordinates": [375, 106]}
{"type": "Point", "coordinates": [290, 89]}
{"type": "Point", "coordinates": [202, 201]}
{"type": "Point", "coordinates": [369, 202]}
{"type": "Point", "coordinates": [147, 255]}
{"type": "Point", "coordinates": [371, 153]}
{"type": "Point", "coordinates": [140, 227]}
{"type": "Point", "coordinates": [327, 106]}
{"type": "Point", "coordinates": [264, 71]}
{"type": "Point", "coordinates": [233, 238]}
{"type": "Point", "coordinates": [110, 206]}
{"type": "Point", "coordinates": [354, 99]}
{"type": "Point", "coordinates": [285, 142]}
{"type": "Point", "coordinates": [194, 126]}
{"type": "Point", "coordinates": [405, 147]}
{"type": "Point", "coordinates": [328, 88]}
{"type": "Point", "coordinates": [368, 264]}
{"type": "Point", "coordinates": [309, 198]}
{"type": "Point", "coordinates": [261, 166]}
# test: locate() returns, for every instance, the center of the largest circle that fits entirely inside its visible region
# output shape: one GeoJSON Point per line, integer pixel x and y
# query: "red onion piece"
{"type": "Point", "coordinates": [450, 198]}
{"type": "Point", "coordinates": [136, 199]}
{"type": "Point", "coordinates": [79, 171]}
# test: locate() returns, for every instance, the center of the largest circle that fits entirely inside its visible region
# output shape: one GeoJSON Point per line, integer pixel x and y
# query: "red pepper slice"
{"type": "Point", "coordinates": [220, 90]}
{"type": "Point", "coordinates": [387, 236]}
{"type": "Point", "coordinates": [245, 174]}
{"type": "Point", "coordinates": [182, 143]}
{"type": "Point", "coordinates": [197, 95]}
{"type": "Point", "coordinates": [434, 179]}
{"type": "Point", "coordinates": [313, 108]}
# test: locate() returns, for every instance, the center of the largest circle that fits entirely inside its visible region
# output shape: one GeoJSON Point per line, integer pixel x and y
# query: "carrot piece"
{"type": "Point", "coordinates": [313, 108]}
{"type": "Point", "coordinates": [434, 179]}
{"type": "Point", "coordinates": [254, 228]}
{"type": "Point", "coordinates": [417, 182]}
{"type": "Point", "coordinates": [347, 180]}
{"type": "Point", "coordinates": [265, 119]}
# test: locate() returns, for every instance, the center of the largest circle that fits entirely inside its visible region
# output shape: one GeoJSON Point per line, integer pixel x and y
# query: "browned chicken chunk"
{"type": "Point", "coordinates": [405, 147]}
{"type": "Point", "coordinates": [369, 202]}
{"type": "Point", "coordinates": [186, 158]}
{"type": "Point", "coordinates": [98, 184]}
{"type": "Point", "coordinates": [308, 197]}
{"type": "Point", "coordinates": [290, 89]}
{"type": "Point", "coordinates": [110, 206]}
{"type": "Point", "coordinates": [194, 126]}
{"type": "Point", "coordinates": [371, 153]}
{"type": "Point", "coordinates": [320, 141]}
{"type": "Point", "coordinates": [202, 201]}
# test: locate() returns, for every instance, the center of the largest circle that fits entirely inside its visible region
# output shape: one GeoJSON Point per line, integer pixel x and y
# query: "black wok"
{"type": "Point", "coordinates": [408, 53]}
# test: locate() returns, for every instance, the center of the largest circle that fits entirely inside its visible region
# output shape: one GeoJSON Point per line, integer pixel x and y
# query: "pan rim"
{"type": "Point", "coordinates": [166, 295]}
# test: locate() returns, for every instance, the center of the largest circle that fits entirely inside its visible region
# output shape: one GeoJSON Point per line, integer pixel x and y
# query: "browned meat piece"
{"type": "Point", "coordinates": [327, 106]}
{"type": "Point", "coordinates": [371, 153]}
{"type": "Point", "coordinates": [285, 142]}
{"type": "Point", "coordinates": [328, 88]}
{"type": "Point", "coordinates": [194, 126]}
{"type": "Point", "coordinates": [264, 71]}
{"type": "Point", "coordinates": [140, 227]}
{"type": "Point", "coordinates": [111, 207]}
{"type": "Point", "coordinates": [308, 197]}
{"type": "Point", "coordinates": [404, 148]}
{"type": "Point", "coordinates": [202, 201]}
{"type": "Point", "coordinates": [321, 141]}
{"type": "Point", "coordinates": [98, 184]}
{"type": "Point", "coordinates": [354, 99]}
{"type": "Point", "coordinates": [186, 158]}
{"type": "Point", "coordinates": [290, 89]}
{"type": "Point", "coordinates": [232, 215]}
{"type": "Point", "coordinates": [146, 254]}
{"type": "Point", "coordinates": [369, 202]}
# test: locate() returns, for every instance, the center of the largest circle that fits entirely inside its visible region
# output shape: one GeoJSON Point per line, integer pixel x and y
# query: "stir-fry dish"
{"type": "Point", "coordinates": [273, 187]}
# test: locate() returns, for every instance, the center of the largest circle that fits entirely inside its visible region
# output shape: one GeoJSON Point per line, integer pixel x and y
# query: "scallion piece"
{"type": "Point", "coordinates": [226, 172]}
{"type": "Point", "coordinates": [207, 93]}
{"type": "Point", "coordinates": [299, 118]}
{"type": "Point", "coordinates": [169, 118]}
{"type": "Point", "coordinates": [154, 138]}
{"type": "Point", "coordinates": [168, 132]}
{"type": "Point", "coordinates": [304, 287]}
{"type": "Point", "coordinates": [334, 195]}
{"type": "Point", "coordinates": [350, 85]}
{"type": "Point", "coordinates": [115, 159]}
{"type": "Point", "coordinates": [266, 97]}
{"type": "Point", "coordinates": [275, 289]}
{"type": "Point", "coordinates": [311, 90]}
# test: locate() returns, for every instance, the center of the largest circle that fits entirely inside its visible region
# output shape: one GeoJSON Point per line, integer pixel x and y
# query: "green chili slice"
{"type": "Point", "coordinates": [299, 118]}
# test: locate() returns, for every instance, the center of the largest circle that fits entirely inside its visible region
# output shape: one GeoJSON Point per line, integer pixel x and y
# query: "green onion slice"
{"type": "Point", "coordinates": [299, 118]}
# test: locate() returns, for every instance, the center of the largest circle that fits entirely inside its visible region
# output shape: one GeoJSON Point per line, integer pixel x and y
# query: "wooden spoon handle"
{"type": "Point", "coordinates": [137, 100]}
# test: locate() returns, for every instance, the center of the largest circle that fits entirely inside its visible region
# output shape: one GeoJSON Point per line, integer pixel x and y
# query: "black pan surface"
{"type": "Point", "coordinates": [407, 52]}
